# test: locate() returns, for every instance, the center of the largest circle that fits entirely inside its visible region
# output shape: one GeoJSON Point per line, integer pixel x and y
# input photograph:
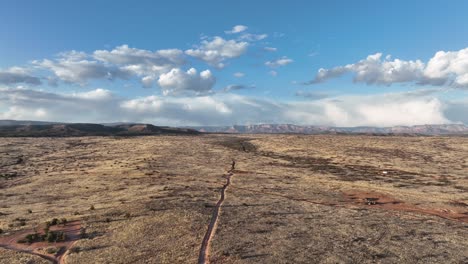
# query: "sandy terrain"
{"type": "Point", "coordinates": [290, 198]}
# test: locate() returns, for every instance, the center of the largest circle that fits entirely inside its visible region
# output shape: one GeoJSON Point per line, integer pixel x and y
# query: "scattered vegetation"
{"type": "Point", "coordinates": [48, 235]}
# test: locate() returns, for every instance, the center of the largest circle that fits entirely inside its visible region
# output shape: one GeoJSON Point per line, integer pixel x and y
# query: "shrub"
{"type": "Point", "coordinates": [83, 233]}
{"type": "Point", "coordinates": [92, 207]}
{"type": "Point", "coordinates": [52, 250]}
{"type": "Point", "coordinates": [75, 250]}
{"type": "Point", "coordinates": [31, 238]}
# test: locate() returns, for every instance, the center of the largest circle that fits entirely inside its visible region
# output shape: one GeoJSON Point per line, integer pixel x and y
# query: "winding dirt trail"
{"type": "Point", "coordinates": [204, 256]}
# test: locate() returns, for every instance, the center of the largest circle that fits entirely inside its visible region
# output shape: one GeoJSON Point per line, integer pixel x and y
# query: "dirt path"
{"type": "Point", "coordinates": [204, 257]}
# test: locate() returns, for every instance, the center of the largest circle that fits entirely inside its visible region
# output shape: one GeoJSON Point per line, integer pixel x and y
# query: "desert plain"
{"type": "Point", "coordinates": [275, 199]}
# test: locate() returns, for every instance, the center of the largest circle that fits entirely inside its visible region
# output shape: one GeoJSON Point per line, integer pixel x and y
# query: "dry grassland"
{"type": "Point", "coordinates": [291, 199]}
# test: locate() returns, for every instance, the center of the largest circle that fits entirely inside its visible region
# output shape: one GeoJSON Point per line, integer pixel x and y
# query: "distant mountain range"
{"type": "Point", "coordinates": [40, 128]}
{"type": "Point", "coordinates": [450, 129]}
{"type": "Point", "coordinates": [11, 128]}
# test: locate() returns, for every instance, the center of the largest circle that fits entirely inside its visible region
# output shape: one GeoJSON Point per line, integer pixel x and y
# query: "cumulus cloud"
{"type": "Point", "coordinates": [444, 68]}
{"type": "Point", "coordinates": [76, 67]}
{"type": "Point", "coordinates": [122, 62]}
{"type": "Point", "coordinates": [374, 70]}
{"type": "Point", "coordinates": [101, 105]}
{"type": "Point", "coordinates": [218, 50]}
{"type": "Point", "coordinates": [449, 67]}
{"type": "Point", "coordinates": [144, 63]}
{"type": "Point", "coordinates": [15, 75]}
{"type": "Point", "coordinates": [236, 29]}
{"type": "Point", "coordinates": [283, 61]}
{"type": "Point", "coordinates": [177, 82]}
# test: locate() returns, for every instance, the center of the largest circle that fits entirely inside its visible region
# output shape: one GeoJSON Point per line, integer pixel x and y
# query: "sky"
{"type": "Point", "coordinates": [207, 63]}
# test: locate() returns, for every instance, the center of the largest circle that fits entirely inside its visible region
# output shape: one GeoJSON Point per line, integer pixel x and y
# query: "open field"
{"type": "Point", "coordinates": [288, 199]}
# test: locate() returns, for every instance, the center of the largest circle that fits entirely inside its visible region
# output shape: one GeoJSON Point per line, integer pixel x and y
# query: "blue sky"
{"type": "Point", "coordinates": [251, 61]}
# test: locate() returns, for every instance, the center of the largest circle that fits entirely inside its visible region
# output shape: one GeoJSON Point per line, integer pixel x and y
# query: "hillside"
{"type": "Point", "coordinates": [73, 130]}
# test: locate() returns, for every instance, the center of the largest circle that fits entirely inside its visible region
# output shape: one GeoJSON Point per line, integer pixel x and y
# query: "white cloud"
{"type": "Point", "coordinates": [283, 61]}
{"type": "Point", "coordinates": [97, 95]}
{"type": "Point", "coordinates": [177, 82]}
{"type": "Point", "coordinates": [140, 62]}
{"type": "Point", "coordinates": [122, 62]}
{"type": "Point", "coordinates": [252, 37]}
{"type": "Point", "coordinates": [273, 73]}
{"type": "Point", "coordinates": [239, 74]}
{"type": "Point", "coordinates": [313, 95]}
{"type": "Point", "coordinates": [444, 68]}
{"type": "Point", "coordinates": [93, 106]}
{"type": "Point", "coordinates": [147, 64]}
{"type": "Point", "coordinates": [270, 49]}
{"type": "Point", "coordinates": [236, 29]}
{"type": "Point", "coordinates": [216, 51]}
{"type": "Point", "coordinates": [123, 55]}
{"type": "Point", "coordinates": [75, 67]}
{"type": "Point", "coordinates": [15, 75]}
{"type": "Point", "coordinates": [449, 67]}
{"type": "Point", "coordinates": [374, 70]}
{"type": "Point", "coordinates": [234, 87]}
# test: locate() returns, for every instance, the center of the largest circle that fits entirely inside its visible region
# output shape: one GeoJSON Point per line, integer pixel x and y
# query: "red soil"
{"type": "Point", "coordinates": [386, 202]}
{"type": "Point", "coordinates": [71, 229]}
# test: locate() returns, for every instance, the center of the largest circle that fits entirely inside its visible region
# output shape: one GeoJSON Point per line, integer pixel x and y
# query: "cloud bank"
{"type": "Point", "coordinates": [102, 105]}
